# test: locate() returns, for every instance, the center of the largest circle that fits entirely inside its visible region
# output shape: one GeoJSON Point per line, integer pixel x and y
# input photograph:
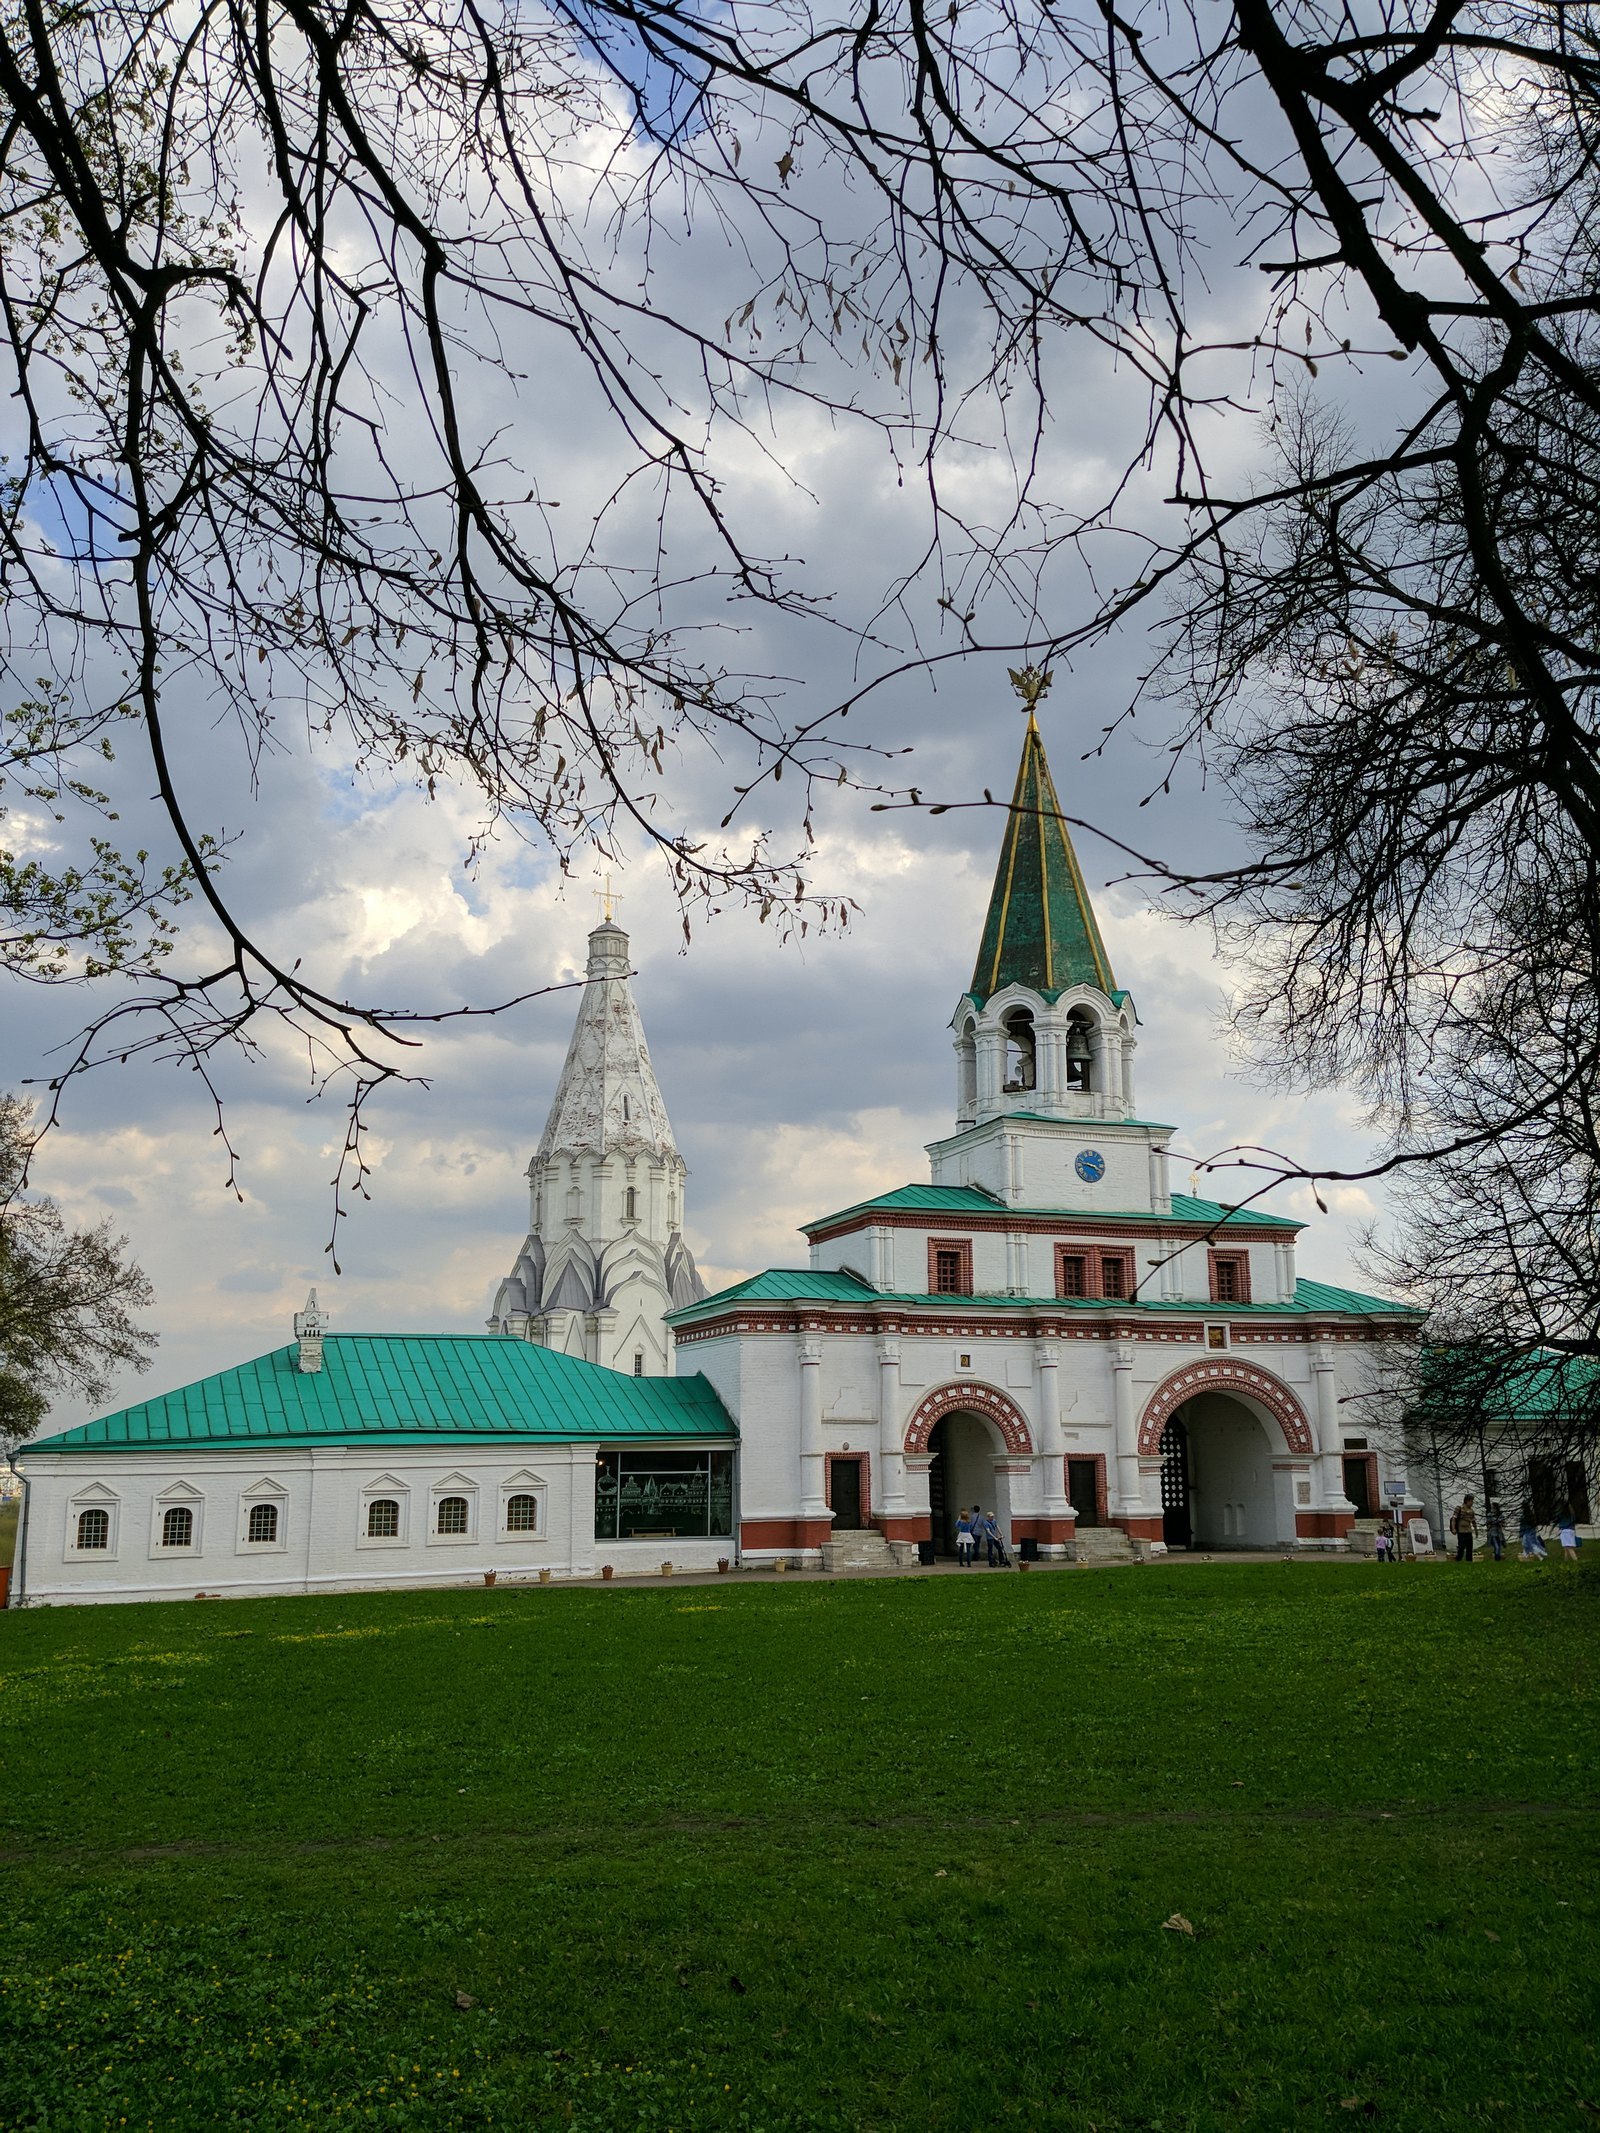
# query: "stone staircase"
{"type": "Point", "coordinates": [865, 1550]}
{"type": "Point", "coordinates": [1105, 1544]}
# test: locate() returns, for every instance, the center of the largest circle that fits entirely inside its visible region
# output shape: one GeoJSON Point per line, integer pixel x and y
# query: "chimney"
{"type": "Point", "coordinates": [309, 1325]}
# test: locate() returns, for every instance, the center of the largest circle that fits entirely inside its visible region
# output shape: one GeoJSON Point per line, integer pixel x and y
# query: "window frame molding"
{"type": "Point", "coordinates": [524, 1484]}
{"type": "Point", "coordinates": [1123, 1255]}
{"type": "Point", "coordinates": [453, 1484]}
{"type": "Point", "coordinates": [93, 1496]}
{"type": "Point", "coordinates": [1084, 1254]}
{"type": "Point", "coordinates": [1232, 1256]}
{"type": "Point", "coordinates": [384, 1486]}
{"type": "Point", "coordinates": [262, 1491]}
{"type": "Point", "coordinates": [961, 1245]}
{"type": "Point", "coordinates": [178, 1496]}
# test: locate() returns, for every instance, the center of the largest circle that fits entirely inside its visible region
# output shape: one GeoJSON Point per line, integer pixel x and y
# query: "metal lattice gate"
{"type": "Point", "coordinates": [1175, 1525]}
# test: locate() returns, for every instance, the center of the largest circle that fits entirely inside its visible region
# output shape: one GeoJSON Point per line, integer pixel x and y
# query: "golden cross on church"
{"type": "Point", "coordinates": [606, 899]}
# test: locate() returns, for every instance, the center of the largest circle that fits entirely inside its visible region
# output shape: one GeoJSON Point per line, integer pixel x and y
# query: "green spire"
{"type": "Point", "coordinates": [1041, 929]}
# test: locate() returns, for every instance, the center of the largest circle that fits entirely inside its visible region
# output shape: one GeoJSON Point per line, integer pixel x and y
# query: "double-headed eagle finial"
{"type": "Point", "coordinates": [1031, 683]}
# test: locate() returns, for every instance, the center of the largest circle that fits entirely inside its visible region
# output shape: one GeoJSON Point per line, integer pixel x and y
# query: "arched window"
{"type": "Point", "coordinates": [452, 1515]}
{"type": "Point", "coordinates": [1020, 1066]}
{"type": "Point", "coordinates": [522, 1514]}
{"type": "Point", "coordinates": [94, 1529]}
{"type": "Point", "coordinates": [263, 1524]}
{"type": "Point", "coordinates": [383, 1519]}
{"type": "Point", "coordinates": [631, 1203]}
{"type": "Point", "coordinates": [1080, 1053]}
{"type": "Point", "coordinates": [177, 1527]}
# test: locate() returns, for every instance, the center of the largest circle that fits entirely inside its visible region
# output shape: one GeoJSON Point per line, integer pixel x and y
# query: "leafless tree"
{"type": "Point", "coordinates": [262, 261]}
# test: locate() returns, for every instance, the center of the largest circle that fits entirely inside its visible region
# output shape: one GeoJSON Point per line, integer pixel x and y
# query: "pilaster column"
{"type": "Point", "coordinates": [1051, 1448]}
{"type": "Point", "coordinates": [1130, 1490]}
{"type": "Point", "coordinates": [1016, 1263]}
{"type": "Point", "coordinates": [990, 1047]}
{"type": "Point", "coordinates": [1050, 1055]}
{"type": "Point", "coordinates": [813, 1471]}
{"type": "Point", "coordinates": [1329, 1435]}
{"type": "Point", "coordinates": [891, 1457]}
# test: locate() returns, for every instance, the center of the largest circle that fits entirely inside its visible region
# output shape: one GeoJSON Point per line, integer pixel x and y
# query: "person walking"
{"type": "Point", "coordinates": [1567, 1532]}
{"type": "Point", "coordinates": [1464, 1524]}
{"type": "Point", "coordinates": [1496, 1530]}
{"type": "Point", "coordinates": [1533, 1549]}
{"type": "Point", "coordinates": [964, 1540]}
{"type": "Point", "coordinates": [994, 1546]}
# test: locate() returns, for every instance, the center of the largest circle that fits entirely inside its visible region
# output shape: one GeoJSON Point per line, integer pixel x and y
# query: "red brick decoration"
{"type": "Point", "coordinates": [1223, 1373]}
{"type": "Point", "coordinates": [961, 1248]}
{"type": "Point", "coordinates": [1240, 1262]}
{"type": "Point", "coordinates": [784, 1532]}
{"type": "Point", "coordinates": [984, 1400]}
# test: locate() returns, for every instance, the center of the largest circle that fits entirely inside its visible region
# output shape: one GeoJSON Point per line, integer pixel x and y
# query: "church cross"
{"type": "Point", "coordinates": [606, 900]}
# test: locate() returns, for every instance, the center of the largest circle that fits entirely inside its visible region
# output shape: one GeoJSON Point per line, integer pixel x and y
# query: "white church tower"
{"type": "Point", "coordinates": [604, 1257]}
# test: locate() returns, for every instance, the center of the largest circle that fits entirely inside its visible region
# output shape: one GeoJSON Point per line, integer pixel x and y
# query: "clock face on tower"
{"type": "Point", "coordinates": [1090, 1166]}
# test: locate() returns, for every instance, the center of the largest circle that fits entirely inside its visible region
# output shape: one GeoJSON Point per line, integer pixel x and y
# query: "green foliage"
{"type": "Point", "coordinates": [61, 919]}
{"type": "Point", "coordinates": [67, 1296]}
{"type": "Point", "coordinates": [809, 1858]}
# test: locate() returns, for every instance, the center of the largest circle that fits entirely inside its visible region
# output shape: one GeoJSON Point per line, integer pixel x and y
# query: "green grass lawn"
{"type": "Point", "coordinates": [779, 1855]}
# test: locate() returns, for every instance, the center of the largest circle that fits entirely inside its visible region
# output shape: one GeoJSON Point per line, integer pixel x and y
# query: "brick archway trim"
{"type": "Point", "coordinates": [1216, 1374]}
{"type": "Point", "coordinates": [986, 1400]}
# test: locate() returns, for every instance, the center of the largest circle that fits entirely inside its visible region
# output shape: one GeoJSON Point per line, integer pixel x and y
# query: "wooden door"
{"type": "Point", "coordinates": [845, 1475]}
{"type": "Point", "coordinates": [1083, 1490]}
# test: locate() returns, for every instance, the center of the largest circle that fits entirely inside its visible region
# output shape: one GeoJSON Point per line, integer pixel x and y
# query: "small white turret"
{"type": "Point", "coordinates": [309, 1327]}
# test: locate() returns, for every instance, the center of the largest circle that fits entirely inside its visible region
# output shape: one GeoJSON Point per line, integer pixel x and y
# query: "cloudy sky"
{"type": "Point", "coordinates": [798, 1076]}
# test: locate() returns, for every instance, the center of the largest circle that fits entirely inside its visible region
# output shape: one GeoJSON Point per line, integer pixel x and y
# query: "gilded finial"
{"type": "Point", "coordinates": [606, 900]}
{"type": "Point", "coordinates": [1031, 683]}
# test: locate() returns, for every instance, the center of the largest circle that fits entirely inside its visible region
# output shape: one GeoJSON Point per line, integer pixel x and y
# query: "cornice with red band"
{"type": "Point", "coordinates": [1069, 1223]}
{"type": "Point", "coordinates": [893, 1319]}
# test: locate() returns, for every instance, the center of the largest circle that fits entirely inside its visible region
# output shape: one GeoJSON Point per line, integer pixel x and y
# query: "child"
{"type": "Point", "coordinates": [1384, 1545]}
{"type": "Point", "coordinates": [964, 1539]}
{"type": "Point", "coordinates": [1533, 1549]}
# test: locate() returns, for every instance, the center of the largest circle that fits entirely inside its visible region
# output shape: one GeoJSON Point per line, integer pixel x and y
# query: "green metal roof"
{"type": "Point", "coordinates": [404, 1387]}
{"type": "Point", "coordinates": [970, 1200]}
{"type": "Point", "coordinates": [1041, 930]}
{"type": "Point", "coordinates": [1312, 1299]}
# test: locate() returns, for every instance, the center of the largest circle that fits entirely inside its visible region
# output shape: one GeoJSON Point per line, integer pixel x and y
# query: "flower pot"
{"type": "Point", "coordinates": [489, 1576]}
{"type": "Point", "coordinates": [666, 1570]}
{"type": "Point", "coordinates": [607, 1572]}
{"type": "Point", "coordinates": [722, 1565]}
{"type": "Point", "coordinates": [1023, 1563]}
{"type": "Point", "coordinates": [780, 1564]}
{"type": "Point", "coordinates": [544, 1575]}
